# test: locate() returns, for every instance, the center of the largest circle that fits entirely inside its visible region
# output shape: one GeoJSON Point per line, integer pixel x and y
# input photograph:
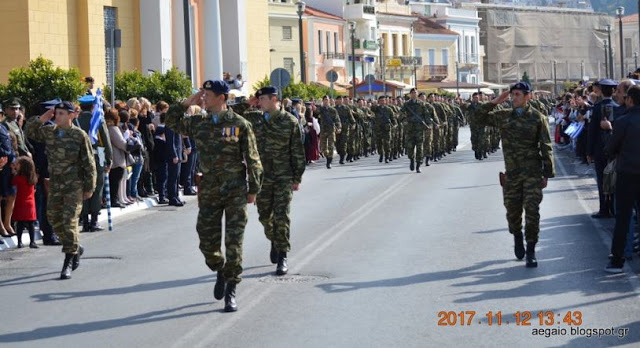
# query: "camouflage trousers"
{"type": "Point", "coordinates": [94, 204]}
{"type": "Point", "coordinates": [342, 141]}
{"type": "Point", "coordinates": [436, 140]}
{"type": "Point", "coordinates": [353, 145]}
{"type": "Point", "coordinates": [274, 206]}
{"type": "Point", "coordinates": [327, 144]}
{"type": "Point", "coordinates": [454, 137]}
{"type": "Point", "coordinates": [523, 192]}
{"type": "Point", "coordinates": [63, 210]}
{"type": "Point", "coordinates": [215, 199]}
{"type": "Point", "coordinates": [383, 143]}
{"type": "Point", "coordinates": [427, 147]}
{"type": "Point", "coordinates": [414, 142]}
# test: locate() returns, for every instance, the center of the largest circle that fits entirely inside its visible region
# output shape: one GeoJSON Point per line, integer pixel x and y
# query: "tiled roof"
{"type": "Point", "coordinates": [310, 11]}
{"type": "Point", "coordinates": [630, 18]}
{"type": "Point", "coordinates": [426, 26]}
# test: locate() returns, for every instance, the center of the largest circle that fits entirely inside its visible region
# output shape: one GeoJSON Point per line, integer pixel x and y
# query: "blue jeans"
{"type": "Point", "coordinates": [133, 181]}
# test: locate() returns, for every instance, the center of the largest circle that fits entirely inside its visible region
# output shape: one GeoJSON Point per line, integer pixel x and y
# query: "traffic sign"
{"type": "Point", "coordinates": [332, 76]}
{"type": "Point", "coordinates": [280, 78]}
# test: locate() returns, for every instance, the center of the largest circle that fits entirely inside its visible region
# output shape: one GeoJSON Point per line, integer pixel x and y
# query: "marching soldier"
{"type": "Point", "coordinates": [383, 123]}
{"type": "Point", "coordinates": [330, 125]}
{"type": "Point", "coordinates": [226, 142]}
{"type": "Point", "coordinates": [416, 123]}
{"type": "Point", "coordinates": [348, 127]}
{"type": "Point", "coordinates": [73, 176]}
{"type": "Point", "coordinates": [528, 158]}
{"type": "Point", "coordinates": [282, 156]}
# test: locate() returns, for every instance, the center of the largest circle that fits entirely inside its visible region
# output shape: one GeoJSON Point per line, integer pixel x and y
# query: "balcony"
{"type": "Point", "coordinates": [461, 13]}
{"type": "Point", "coordinates": [469, 59]}
{"type": "Point", "coordinates": [403, 61]}
{"type": "Point", "coordinates": [433, 73]}
{"type": "Point", "coordinates": [359, 10]}
{"type": "Point", "coordinates": [334, 60]}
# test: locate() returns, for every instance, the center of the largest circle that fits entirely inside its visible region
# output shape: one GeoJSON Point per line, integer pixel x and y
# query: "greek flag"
{"type": "Point", "coordinates": [97, 117]}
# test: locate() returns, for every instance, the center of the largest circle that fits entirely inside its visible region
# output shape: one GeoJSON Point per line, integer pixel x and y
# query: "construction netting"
{"type": "Point", "coordinates": [519, 41]}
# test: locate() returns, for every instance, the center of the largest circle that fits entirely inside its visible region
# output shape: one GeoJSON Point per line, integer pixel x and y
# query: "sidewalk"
{"type": "Point", "coordinates": [116, 213]}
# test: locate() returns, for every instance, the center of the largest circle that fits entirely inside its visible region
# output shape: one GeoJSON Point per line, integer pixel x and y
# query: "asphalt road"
{"type": "Point", "coordinates": [381, 256]}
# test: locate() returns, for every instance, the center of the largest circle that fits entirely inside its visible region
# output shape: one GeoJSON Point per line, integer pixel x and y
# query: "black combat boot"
{"type": "Point", "coordinates": [381, 158]}
{"type": "Point", "coordinates": [341, 159]}
{"type": "Point", "coordinates": [386, 159]}
{"type": "Point", "coordinates": [86, 227]}
{"type": "Point", "coordinates": [218, 289]}
{"type": "Point", "coordinates": [531, 255]}
{"type": "Point", "coordinates": [66, 267]}
{"type": "Point", "coordinates": [477, 155]}
{"type": "Point", "coordinates": [32, 236]}
{"type": "Point", "coordinates": [418, 168]}
{"type": "Point", "coordinates": [426, 161]}
{"type": "Point", "coordinates": [19, 237]}
{"type": "Point", "coordinates": [329, 159]}
{"type": "Point", "coordinates": [94, 227]}
{"type": "Point", "coordinates": [518, 248]}
{"type": "Point", "coordinates": [485, 155]}
{"type": "Point", "coordinates": [76, 258]}
{"type": "Point", "coordinates": [282, 267]}
{"type": "Point", "coordinates": [273, 254]}
{"type": "Point", "coordinates": [230, 304]}
{"type": "Point", "coordinates": [412, 165]}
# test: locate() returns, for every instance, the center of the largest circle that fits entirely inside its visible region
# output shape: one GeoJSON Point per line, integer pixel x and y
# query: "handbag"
{"type": "Point", "coordinates": [609, 178]}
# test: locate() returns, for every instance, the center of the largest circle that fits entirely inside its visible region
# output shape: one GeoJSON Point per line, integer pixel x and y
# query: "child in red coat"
{"type": "Point", "coordinates": [24, 212]}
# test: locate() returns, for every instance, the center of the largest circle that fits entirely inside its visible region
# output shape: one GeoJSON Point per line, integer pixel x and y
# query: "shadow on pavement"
{"type": "Point", "coordinates": [18, 281]}
{"type": "Point", "coordinates": [72, 329]}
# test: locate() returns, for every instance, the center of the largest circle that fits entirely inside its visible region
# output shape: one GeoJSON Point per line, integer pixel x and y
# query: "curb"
{"type": "Point", "coordinates": [149, 202]}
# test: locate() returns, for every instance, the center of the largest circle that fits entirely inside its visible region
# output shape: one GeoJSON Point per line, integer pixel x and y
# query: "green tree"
{"type": "Point", "coordinates": [128, 84]}
{"type": "Point", "coordinates": [40, 81]}
{"type": "Point", "coordinates": [171, 86]}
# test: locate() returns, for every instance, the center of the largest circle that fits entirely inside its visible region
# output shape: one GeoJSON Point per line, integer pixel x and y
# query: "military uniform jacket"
{"type": "Point", "coordinates": [13, 127]}
{"type": "Point", "coordinates": [280, 146]}
{"type": "Point", "coordinates": [72, 167]}
{"type": "Point", "coordinates": [597, 137]}
{"type": "Point", "coordinates": [415, 114]}
{"type": "Point", "coordinates": [346, 116]}
{"type": "Point", "coordinates": [328, 119]}
{"type": "Point", "coordinates": [526, 140]}
{"type": "Point", "coordinates": [384, 118]}
{"type": "Point", "coordinates": [224, 141]}
{"type": "Point", "coordinates": [84, 120]}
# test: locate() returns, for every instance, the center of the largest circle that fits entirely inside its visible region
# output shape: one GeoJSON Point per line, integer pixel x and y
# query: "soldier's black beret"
{"type": "Point", "coordinates": [607, 82]}
{"type": "Point", "coordinates": [13, 102]}
{"type": "Point", "coordinates": [522, 85]}
{"type": "Point", "coordinates": [268, 90]}
{"type": "Point", "coordinates": [217, 86]}
{"type": "Point", "coordinates": [382, 97]}
{"type": "Point", "coordinates": [65, 105]}
{"type": "Point", "coordinates": [413, 90]}
{"type": "Point", "coordinates": [421, 94]}
{"type": "Point", "coordinates": [325, 97]}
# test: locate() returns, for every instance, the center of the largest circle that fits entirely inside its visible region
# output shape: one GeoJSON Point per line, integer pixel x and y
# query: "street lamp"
{"type": "Point", "coordinates": [610, 51]}
{"type": "Point", "coordinates": [352, 29]}
{"type": "Point", "coordinates": [301, 6]}
{"type": "Point", "coordinates": [620, 13]}
{"type": "Point", "coordinates": [383, 76]}
{"type": "Point", "coordinates": [555, 81]}
{"type": "Point", "coordinates": [635, 58]}
{"type": "Point", "coordinates": [457, 80]}
{"type": "Point", "coordinates": [606, 58]}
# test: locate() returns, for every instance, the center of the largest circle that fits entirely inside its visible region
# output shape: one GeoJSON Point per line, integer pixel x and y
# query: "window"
{"type": "Point", "coordinates": [288, 65]}
{"type": "Point", "coordinates": [418, 52]}
{"type": "Point", "coordinates": [286, 33]}
{"type": "Point", "coordinates": [328, 42]}
{"type": "Point", "coordinates": [110, 21]}
{"type": "Point", "coordinates": [335, 43]}
{"type": "Point", "coordinates": [432, 56]}
{"type": "Point", "coordinates": [627, 48]}
{"type": "Point", "coordinates": [445, 56]}
{"type": "Point", "coordinates": [320, 41]}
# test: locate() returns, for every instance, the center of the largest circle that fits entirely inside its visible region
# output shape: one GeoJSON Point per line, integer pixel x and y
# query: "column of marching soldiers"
{"type": "Point", "coordinates": [423, 127]}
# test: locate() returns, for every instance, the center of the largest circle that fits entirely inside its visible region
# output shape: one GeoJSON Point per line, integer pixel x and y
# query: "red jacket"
{"type": "Point", "coordinates": [25, 207]}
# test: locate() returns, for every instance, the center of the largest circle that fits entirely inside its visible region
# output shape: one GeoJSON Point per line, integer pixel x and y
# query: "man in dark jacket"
{"type": "Point", "coordinates": [602, 111]}
{"type": "Point", "coordinates": [174, 159]}
{"type": "Point", "coordinates": [625, 146]}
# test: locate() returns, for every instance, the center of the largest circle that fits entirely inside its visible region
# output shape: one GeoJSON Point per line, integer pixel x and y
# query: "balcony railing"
{"type": "Point", "coordinates": [470, 59]}
{"type": "Point", "coordinates": [434, 72]}
{"type": "Point", "coordinates": [329, 55]}
{"type": "Point", "coordinates": [359, 10]}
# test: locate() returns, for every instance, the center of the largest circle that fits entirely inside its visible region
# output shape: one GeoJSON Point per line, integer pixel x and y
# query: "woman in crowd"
{"type": "Point", "coordinates": [311, 129]}
{"type": "Point", "coordinates": [119, 152]}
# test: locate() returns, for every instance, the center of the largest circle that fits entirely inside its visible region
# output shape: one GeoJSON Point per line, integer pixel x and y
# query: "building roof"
{"type": "Point", "coordinates": [630, 18]}
{"type": "Point", "coordinates": [310, 11]}
{"type": "Point", "coordinates": [426, 26]}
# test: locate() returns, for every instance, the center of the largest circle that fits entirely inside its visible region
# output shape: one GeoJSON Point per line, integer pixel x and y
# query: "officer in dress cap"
{"type": "Point", "coordinates": [268, 90]}
{"type": "Point", "coordinates": [522, 86]}
{"type": "Point", "coordinates": [607, 82]}
{"type": "Point", "coordinates": [87, 99]}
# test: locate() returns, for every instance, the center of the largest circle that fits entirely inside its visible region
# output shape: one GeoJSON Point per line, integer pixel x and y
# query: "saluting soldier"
{"type": "Point", "coordinates": [231, 179]}
{"type": "Point", "coordinates": [73, 176]}
{"type": "Point", "coordinates": [528, 159]}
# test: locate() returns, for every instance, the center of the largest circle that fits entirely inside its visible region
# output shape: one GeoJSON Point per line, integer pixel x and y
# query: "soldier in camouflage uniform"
{"type": "Point", "coordinates": [355, 137]}
{"type": "Point", "coordinates": [383, 124]}
{"type": "Point", "coordinates": [477, 130]}
{"type": "Point", "coordinates": [282, 156]}
{"type": "Point", "coordinates": [225, 141]}
{"type": "Point", "coordinates": [348, 123]}
{"type": "Point", "coordinates": [330, 125]}
{"type": "Point", "coordinates": [528, 158]}
{"type": "Point", "coordinates": [73, 176]}
{"type": "Point", "coordinates": [458, 121]}
{"type": "Point", "coordinates": [416, 119]}
{"type": "Point", "coordinates": [103, 156]}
